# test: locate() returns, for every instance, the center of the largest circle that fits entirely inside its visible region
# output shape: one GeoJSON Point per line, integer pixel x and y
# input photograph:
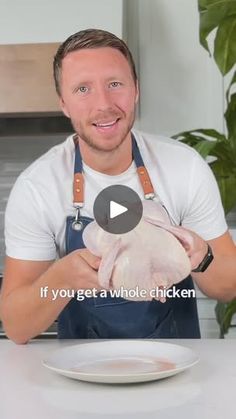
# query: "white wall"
{"type": "Point", "coordinates": [29, 21]}
{"type": "Point", "coordinates": [181, 87]}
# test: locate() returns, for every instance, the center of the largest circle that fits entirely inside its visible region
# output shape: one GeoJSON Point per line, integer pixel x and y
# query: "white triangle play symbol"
{"type": "Point", "coordinates": [116, 209]}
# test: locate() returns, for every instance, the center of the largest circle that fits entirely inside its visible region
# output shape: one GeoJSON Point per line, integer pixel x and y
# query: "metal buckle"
{"type": "Point", "coordinates": [149, 195]}
{"type": "Point", "coordinates": [77, 225]}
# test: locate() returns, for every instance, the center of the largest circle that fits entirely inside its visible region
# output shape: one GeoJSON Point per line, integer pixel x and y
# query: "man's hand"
{"type": "Point", "coordinates": [79, 269]}
{"type": "Point", "coordinates": [219, 279]}
{"type": "Point", "coordinates": [23, 311]}
{"type": "Point", "coordinates": [196, 248]}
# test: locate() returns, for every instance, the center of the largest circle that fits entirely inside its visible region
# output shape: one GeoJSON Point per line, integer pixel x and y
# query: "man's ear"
{"type": "Point", "coordinates": [63, 107]}
{"type": "Point", "coordinates": [137, 93]}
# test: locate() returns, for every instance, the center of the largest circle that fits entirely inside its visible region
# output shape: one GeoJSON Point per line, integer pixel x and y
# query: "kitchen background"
{"type": "Point", "coordinates": [181, 88]}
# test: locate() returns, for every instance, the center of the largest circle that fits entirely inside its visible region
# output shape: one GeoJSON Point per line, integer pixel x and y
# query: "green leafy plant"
{"type": "Point", "coordinates": [220, 15]}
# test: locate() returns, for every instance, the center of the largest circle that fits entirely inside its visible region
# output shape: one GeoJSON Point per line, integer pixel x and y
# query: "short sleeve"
{"type": "Point", "coordinates": [204, 211]}
{"type": "Point", "coordinates": [27, 232]}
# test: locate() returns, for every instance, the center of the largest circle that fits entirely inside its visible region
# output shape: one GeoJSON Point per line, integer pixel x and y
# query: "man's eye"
{"type": "Point", "coordinates": [115, 84]}
{"type": "Point", "coordinates": [82, 89]}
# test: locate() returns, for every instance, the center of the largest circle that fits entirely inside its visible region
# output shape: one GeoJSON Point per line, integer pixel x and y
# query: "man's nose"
{"type": "Point", "coordinates": [103, 98]}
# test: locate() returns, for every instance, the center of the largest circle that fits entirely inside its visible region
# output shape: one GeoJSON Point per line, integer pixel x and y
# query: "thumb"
{"type": "Point", "coordinates": [90, 258]}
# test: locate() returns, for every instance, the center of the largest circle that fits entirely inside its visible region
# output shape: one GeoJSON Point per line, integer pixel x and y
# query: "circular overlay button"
{"type": "Point", "coordinates": [118, 209]}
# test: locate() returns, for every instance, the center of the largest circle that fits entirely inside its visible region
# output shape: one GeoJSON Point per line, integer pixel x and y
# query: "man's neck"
{"type": "Point", "coordinates": [110, 163]}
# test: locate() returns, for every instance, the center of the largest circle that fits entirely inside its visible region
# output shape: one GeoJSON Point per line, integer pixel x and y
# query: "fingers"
{"type": "Point", "coordinates": [92, 260]}
{"type": "Point", "coordinates": [91, 265]}
{"type": "Point", "coordinates": [160, 296]}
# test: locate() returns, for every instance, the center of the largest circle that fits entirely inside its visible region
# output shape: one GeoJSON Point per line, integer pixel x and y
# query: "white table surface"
{"type": "Point", "coordinates": [28, 390]}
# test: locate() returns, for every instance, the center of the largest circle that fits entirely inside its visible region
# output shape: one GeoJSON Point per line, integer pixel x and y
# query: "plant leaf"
{"type": "Point", "coordinates": [224, 313]}
{"type": "Point", "coordinates": [211, 15]}
{"type": "Point", "coordinates": [230, 114]}
{"type": "Point", "coordinates": [205, 131]}
{"type": "Point", "coordinates": [226, 180]}
{"type": "Point", "coordinates": [230, 117]}
{"type": "Point", "coordinates": [233, 81]}
{"type": "Point", "coordinates": [220, 310]}
{"type": "Point", "coordinates": [188, 138]}
{"type": "Point", "coordinates": [210, 133]}
{"type": "Point", "coordinates": [227, 188]}
{"type": "Point", "coordinates": [204, 147]}
{"type": "Point", "coordinates": [224, 167]}
{"type": "Point", "coordinates": [224, 151]}
{"type": "Point", "coordinates": [225, 45]}
{"type": "Point", "coordinates": [205, 4]}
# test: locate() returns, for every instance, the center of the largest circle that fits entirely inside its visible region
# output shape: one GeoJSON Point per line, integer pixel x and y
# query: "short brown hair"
{"type": "Point", "coordinates": [89, 38]}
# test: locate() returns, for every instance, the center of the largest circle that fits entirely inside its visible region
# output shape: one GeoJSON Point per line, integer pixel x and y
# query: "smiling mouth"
{"type": "Point", "coordinates": [106, 124]}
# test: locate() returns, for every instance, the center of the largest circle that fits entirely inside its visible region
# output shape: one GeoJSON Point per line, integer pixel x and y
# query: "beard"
{"type": "Point", "coordinates": [96, 144]}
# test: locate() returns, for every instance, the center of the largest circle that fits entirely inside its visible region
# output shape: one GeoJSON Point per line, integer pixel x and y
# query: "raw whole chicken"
{"type": "Point", "coordinates": [149, 256]}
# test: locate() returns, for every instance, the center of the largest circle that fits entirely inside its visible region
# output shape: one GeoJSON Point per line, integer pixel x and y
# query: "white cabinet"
{"type": "Point", "coordinates": [26, 81]}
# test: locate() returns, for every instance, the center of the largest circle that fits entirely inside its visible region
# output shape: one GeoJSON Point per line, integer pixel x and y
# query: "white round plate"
{"type": "Point", "coordinates": [121, 361]}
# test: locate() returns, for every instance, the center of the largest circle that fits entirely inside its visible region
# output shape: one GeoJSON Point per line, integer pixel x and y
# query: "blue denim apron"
{"type": "Point", "coordinates": [116, 318]}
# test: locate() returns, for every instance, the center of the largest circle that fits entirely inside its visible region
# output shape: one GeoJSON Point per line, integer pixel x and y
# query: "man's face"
{"type": "Point", "coordinates": [98, 94]}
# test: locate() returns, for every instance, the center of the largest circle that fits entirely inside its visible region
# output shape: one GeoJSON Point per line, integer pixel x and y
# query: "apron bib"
{"type": "Point", "coordinates": [117, 318]}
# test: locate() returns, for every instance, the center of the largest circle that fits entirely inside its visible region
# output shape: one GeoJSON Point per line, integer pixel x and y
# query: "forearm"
{"type": "Point", "coordinates": [219, 280]}
{"type": "Point", "coordinates": [26, 313]}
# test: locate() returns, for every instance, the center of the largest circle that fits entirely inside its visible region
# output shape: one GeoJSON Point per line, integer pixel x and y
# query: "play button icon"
{"type": "Point", "coordinates": [118, 209]}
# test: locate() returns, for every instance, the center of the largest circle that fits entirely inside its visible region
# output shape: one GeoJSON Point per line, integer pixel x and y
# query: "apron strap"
{"type": "Point", "coordinates": [78, 190]}
{"type": "Point", "coordinates": [78, 184]}
{"type": "Point", "coordinates": [142, 171]}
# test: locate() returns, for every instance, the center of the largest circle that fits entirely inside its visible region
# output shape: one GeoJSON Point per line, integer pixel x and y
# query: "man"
{"type": "Point", "coordinates": [97, 85]}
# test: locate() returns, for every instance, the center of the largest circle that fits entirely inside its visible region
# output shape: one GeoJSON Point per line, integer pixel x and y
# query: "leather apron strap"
{"type": "Point", "coordinates": [78, 184]}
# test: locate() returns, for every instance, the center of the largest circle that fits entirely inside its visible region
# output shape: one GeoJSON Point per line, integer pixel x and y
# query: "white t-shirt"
{"type": "Point", "coordinates": [42, 197]}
